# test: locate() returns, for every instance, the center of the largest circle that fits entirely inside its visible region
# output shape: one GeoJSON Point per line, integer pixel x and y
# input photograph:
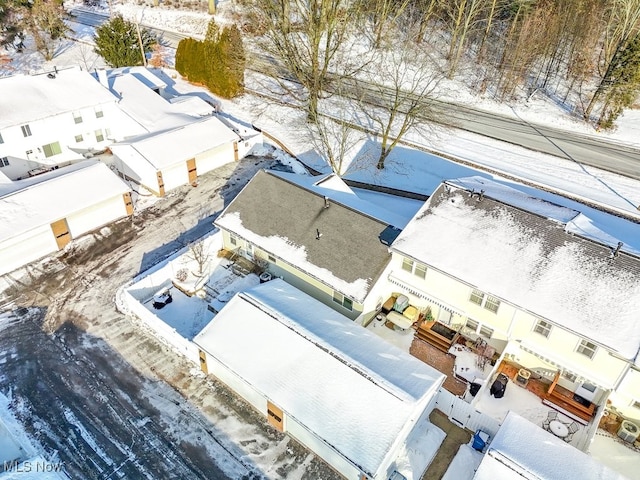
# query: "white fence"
{"type": "Point", "coordinates": [164, 332]}
{"type": "Point", "coordinates": [464, 415]}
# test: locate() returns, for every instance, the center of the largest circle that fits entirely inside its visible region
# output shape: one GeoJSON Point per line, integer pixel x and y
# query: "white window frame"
{"type": "Point", "coordinates": [26, 130]}
{"type": "Point", "coordinates": [469, 321]}
{"type": "Point", "coordinates": [99, 133]}
{"type": "Point", "coordinates": [233, 240]}
{"type": "Point", "coordinates": [587, 348]}
{"type": "Point", "coordinates": [271, 258]}
{"type": "Point", "coordinates": [569, 376]}
{"type": "Point", "coordinates": [542, 327]}
{"type": "Point", "coordinates": [4, 162]}
{"type": "Point", "coordinates": [492, 303]}
{"type": "Point", "coordinates": [54, 147]}
{"type": "Point", "coordinates": [416, 268]}
{"type": "Point", "coordinates": [99, 112]}
{"type": "Point", "coordinates": [486, 331]}
{"type": "Point", "coordinates": [340, 299]}
{"type": "Point", "coordinates": [77, 118]}
{"type": "Point", "coordinates": [79, 138]}
{"type": "Point", "coordinates": [476, 297]}
{"type": "Point", "coordinates": [1, 139]}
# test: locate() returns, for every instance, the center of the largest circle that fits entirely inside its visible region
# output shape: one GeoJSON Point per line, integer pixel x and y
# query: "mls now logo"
{"type": "Point", "coordinates": [30, 466]}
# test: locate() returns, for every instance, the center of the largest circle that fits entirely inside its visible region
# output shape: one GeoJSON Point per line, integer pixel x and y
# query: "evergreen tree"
{"type": "Point", "coordinates": [624, 83]}
{"type": "Point", "coordinates": [117, 42]}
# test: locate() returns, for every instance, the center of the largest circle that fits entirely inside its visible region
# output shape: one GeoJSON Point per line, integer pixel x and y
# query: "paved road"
{"type": "Point", "coordinates": [593, 150]}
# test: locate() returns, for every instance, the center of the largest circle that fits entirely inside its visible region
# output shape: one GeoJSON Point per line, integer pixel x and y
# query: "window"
{"type": "Point", "coordinates": [486, 331]}
{"type": "Point", "coordinates": [99, 112]}
{"type": "Point", "coordinates": [51, 149]}
{"type": "Point", "coordinates": [636, 404]}
{"type": "Point", "coordinates": [492, 304]}
{"type": "Point", "coordinates": [569, 376]}
{"type": "Point", "coordinates": [472, 324]}
{"type": "Point", "coordinates": [1, 140]}
{"type": "Point", "coordinates": [476, 297]}
{"type": "Point", "coordinates": [99, 135]}
{"type": "Point", "coordinates": [79, 138]}
{"type": "Point", "coordinates": [4, 161]}
{"type": "Point", "coordinates": [407, 264]}
{"type": "Point", "coordinates": [271, 258]}
{"type": "Point", "coordinates": [77, 117]}
{"type": "Point", "coordinates": [233, 240]}
{"type": "Point", "coordinates": [26, 130]}
{"type": "Point", "coordinates": [543, 328]}
{"type": "Point", "coordinates": [342, 300]}
{"type": "Point", "coordinates": [587, 348]}
{"type": "Point", "coordinates": [421, 270]}
{"type": "Point", "coordinates": [418, 269]}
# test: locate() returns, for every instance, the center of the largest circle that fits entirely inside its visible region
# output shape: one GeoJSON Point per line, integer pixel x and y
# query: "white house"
{"type": "Point", "coordinates": [537, 281]}
{"type": "Point", "coordinates": [523, 451]}
{"type": "Point", "coordinates": [53, 119]}
{"type": "Point", "coordinates": [165, 160]}
{"type": "Point", "coordinates": [88, 195]}
{"type": "Point", "coordinates": [346, 394]}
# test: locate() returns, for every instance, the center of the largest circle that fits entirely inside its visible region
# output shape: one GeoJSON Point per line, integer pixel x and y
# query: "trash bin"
{"type": "Point", "coordinates": [480, 440]}
{"type": "Point", "coordinates": [473, 388]}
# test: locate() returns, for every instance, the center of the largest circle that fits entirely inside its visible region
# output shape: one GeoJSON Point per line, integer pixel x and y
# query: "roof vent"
{"type": "Point", "coordinates": [318, 234]}
{"type": "Point", "coordinates": [480, 194]}
{"type": "Point", "coordinates": [326, 202]}
{"type": "Point", "coordinates": [616, 251]}
{"type": "Point", "coordinates": [51, 75]}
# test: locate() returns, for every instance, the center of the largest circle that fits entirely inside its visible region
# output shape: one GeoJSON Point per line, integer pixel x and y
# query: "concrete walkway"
{"type": "Point", "coordinates": [456, 436]}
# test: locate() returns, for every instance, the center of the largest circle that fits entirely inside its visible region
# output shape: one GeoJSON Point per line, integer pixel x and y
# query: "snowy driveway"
{"type": "Point", "coordinates": [105, 394]}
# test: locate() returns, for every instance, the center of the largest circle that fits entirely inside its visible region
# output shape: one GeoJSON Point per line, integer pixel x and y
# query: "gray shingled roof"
{"type": "Point", "coordinates": [349, 246]}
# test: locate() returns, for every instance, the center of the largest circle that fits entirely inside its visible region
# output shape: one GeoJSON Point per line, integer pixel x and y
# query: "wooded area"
{"type": "Point", "coordinates": [584, 54]}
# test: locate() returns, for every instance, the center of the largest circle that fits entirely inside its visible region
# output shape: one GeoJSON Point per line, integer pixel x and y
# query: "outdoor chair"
{"type": "Point", "coordinates": [551, 415]}
{"type": "Point", "coordinates": [573, 428]}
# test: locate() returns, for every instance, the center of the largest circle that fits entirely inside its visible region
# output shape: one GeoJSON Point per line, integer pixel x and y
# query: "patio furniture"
{"type": "Point", "coordinates": [551, 415]}
{"type": "Point", "coordinates": [559, 429]}
{"type": "Point", "coordinates": [162, 298]}
{"type": "Point", "coordinates": [499, 386]}
{"type": "Point", "coordinates": [399, 320]}
{"type": "Point", "coordinates": [573, 427]}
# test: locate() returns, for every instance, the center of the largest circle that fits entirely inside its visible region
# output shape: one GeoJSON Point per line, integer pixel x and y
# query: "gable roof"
{"type": "Point", "coordinates": [530, 260]}
{"type": "Point", "coordinates": [524, 451]}
{"type": "Point", "coordinates": [355, 374]}
{"type": "Point", "coordinates": [26, 98]}
{"type": "Point", "coordinates": [283, 218]}
{"type": "Point", "coordinates": [51, 196]}
{"type": "Point", "coordinates": [166, 148]}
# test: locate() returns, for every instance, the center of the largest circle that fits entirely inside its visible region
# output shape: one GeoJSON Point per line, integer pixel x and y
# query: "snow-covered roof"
{"type": "Point", "coordinates": [166, 148]}
{"type": "Point", "coordinates": [531, 261]}
{"type": "Point", "coordinates": [355, 391]}
{"type": "Point", "coordinates": [151, 110]}
{"type": "Point", "coordinates": [26, 98]}
{"type": "Point", "coordinates": [56, 195]}
{"type": "Point", "coordinates": [522, 450]}
{"type": "Point", "coordinates": [335, 188]}
{"type": "Point", "coordinates": [284, 219]}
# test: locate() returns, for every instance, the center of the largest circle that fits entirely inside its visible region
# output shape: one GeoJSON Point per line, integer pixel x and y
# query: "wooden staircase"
{"type": "Point", "coordinates": [424, 332]}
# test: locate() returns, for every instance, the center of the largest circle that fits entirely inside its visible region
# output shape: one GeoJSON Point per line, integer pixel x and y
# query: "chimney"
{"type": "Point", "coordinates": [326, 202]}
{"type": "Point", "coordinates": [318, 234]}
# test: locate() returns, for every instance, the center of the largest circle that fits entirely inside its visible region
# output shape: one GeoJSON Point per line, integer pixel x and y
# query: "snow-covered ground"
{"type": "Point", "coordinates": [412, 170]}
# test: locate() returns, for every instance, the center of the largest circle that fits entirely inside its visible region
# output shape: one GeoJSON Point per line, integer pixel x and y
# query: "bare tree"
{"type": "Point", "coordinates": [406, 99]}
{"type": "Point", "coordinates": [44, 21]}
{"type": "Point", "coordinates": [464, 17]}
{"type": "Point", "coordinates": [198, 252]}
{"type": "Point", "coordinates": [311, 40]}
{"type": "Point", "coordinates": [381, 16]}
{"type": "Point", "coordinates": [335, 137]}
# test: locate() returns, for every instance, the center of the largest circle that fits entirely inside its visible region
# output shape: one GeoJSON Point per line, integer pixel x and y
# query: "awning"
{"type": "Point", "coordinates": [581, 375]}
{"type": "Point", "coordinates": [420, 294]}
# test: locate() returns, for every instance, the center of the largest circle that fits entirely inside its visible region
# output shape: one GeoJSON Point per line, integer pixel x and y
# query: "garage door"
{"type": "Point", "coordinates": [60, 230]}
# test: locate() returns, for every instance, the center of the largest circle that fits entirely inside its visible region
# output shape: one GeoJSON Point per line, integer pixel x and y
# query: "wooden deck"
{"type": "Point", "coordinates": [553, 395]}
